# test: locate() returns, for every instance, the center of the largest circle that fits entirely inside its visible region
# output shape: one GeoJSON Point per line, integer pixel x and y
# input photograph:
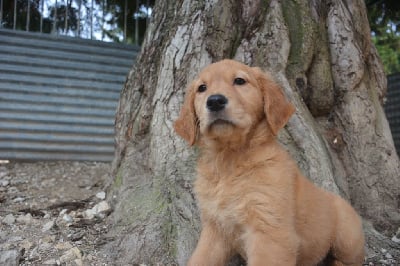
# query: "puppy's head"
{"type": "Point", "coordinates": [228, 99]}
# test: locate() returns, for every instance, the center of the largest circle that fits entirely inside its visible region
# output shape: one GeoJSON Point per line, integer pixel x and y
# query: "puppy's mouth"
{"type": "Point", "coordinates": [221, 122]}
{"type": "Point", "coordinates": [218, 122]}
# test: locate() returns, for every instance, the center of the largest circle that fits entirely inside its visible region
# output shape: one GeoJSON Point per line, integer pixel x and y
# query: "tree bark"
{"type": "Point", "coordinates": [321, 54]}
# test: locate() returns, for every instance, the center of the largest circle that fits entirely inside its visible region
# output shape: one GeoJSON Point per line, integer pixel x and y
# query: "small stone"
{"type": "Point", "coordinates": [45, 247]}
{"type": "Point", "coordinates": [388, 256]}
{"type": "Point", "coordinates": [70, 255]}
{"type": "Point", "coordinates": [4, 183]}
{"type": "Point", "coordinates": [34, 253]}
{"type": "Point", "coordinates": [3, 234]}
{"type": "Point", "coordinates": [89, 214]}
{"type": "Point", "coordinates": [63, 246]}
{"type": "Point", "coordinates": [18, 199]}
{"type": "Point", "coordinates": [101, 195]}
{"type": "Point", "coordinates": [101, 209]}
{"type": "Point", "coordinates": [78, 262]}
{"type": "Point", "coordinates": [47, 239]}
{"type": "Point", "coordinates": [9, 219]}
{"type": "Point", "coordinates": [67, 218]}
{"type": "Point", "coordinates": [13, 190]}
{"type": "Point", "coordinates": [395, 239]}
{"type": "Point", "coordinates": [63, 211]}
{"type": "Point", "coordinates": [15, 239]}
{"type": "Point", "coordinates": [76, 236]}
{"type": "Point", "coordinates": [383, 250]}
{"type": "Point", "coordinates": [25, 219]}
{"type": "Point", "coordinates": [50, 262]}
{"type": "Point", "coordinates": [9, 257]}
{"type": "Point", "coordinates": [48, 226]}
{"type": "Point", "coordinates": [25, 244]}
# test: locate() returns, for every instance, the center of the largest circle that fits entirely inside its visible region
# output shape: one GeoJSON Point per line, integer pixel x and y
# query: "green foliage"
{"type": "Point", "coordinates": [384, 21]}
{"type": "Point", "coordinates": [114, 19]}
{"type": "Point", "coordinates": [55, 20]}
{"type": "Point", "coordinates": [135, 9]}
{"type": "Point", "coordinates": [388, 49]}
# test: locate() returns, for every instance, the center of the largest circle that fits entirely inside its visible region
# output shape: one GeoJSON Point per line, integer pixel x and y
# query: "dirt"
{"type": "Point", "coordinates": [55, 213]}
{"type": "Point", "coordinates": [44, 217]}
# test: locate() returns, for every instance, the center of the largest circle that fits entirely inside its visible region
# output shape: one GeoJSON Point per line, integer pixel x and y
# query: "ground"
{"type": "Point", "coordinates": [48, 214]}
{"type": "Point", "coordinates": [54, 213]}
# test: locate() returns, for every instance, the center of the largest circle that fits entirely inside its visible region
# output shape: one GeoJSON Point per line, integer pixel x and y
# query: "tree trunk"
{"type": "Point", "coordinates": [321, 54]}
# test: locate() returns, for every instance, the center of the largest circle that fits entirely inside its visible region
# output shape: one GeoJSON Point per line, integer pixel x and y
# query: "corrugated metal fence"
{"type": "Point", "coordinates": [392, 108]}
{"type": "Point", "coordinates": [58, 96]}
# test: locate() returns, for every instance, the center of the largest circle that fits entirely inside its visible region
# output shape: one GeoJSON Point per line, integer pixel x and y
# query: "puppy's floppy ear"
{"type": "Point", "coordinates": [186, 124]}
{"type": "Point", "coordinates": [277, 108]}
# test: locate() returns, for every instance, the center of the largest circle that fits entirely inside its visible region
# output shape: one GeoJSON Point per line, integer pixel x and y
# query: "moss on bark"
{"type": "Point", "coordinates": [302, 28]}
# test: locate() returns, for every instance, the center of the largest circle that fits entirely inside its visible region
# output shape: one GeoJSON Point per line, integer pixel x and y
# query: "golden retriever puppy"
{"type": "Point", "coordinates": [253, 198]}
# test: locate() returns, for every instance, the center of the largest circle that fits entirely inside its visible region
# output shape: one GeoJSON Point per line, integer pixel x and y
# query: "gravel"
{"type": "Point", "coordinates": [43, 213]}
{"type": "Point", "coordinates": [54, 213]}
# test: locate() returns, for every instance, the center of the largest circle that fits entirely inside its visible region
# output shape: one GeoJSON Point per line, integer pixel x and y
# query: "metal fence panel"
{"type": "Point", "coordinates": [58, 96]}
{"type": "Point", "coordinates": [392, 108]}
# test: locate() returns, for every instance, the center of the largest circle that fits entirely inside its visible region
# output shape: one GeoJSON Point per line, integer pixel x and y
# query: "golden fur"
{"type": "Point", "coordinates": [253, 198]}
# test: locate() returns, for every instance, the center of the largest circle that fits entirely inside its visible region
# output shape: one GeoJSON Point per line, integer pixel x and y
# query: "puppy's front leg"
{"type": "Point", "coordinates": [262, 249]}
{"type": "Point", "coordinates": [212, 248]}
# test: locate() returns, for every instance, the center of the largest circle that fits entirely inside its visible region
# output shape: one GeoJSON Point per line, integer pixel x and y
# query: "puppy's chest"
{"type": "Point", "coordinates": [225, 212]}
{"type": "Point", "coordinates": [221, 199]}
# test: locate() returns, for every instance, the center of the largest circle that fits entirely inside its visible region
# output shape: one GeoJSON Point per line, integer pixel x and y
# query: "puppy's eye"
{"type": "Point", "coordinates": [202, 88]}
{"type": "Point", "coordinates": [239, 81]}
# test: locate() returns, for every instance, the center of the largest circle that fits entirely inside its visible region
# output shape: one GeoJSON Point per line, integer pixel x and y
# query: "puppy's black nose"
{"type": "Point", "coordinates": [216, 102]}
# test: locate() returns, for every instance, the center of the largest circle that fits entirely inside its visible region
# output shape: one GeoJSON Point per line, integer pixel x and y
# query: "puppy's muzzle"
{"type": "Point", "coordinates": [216, 102]}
